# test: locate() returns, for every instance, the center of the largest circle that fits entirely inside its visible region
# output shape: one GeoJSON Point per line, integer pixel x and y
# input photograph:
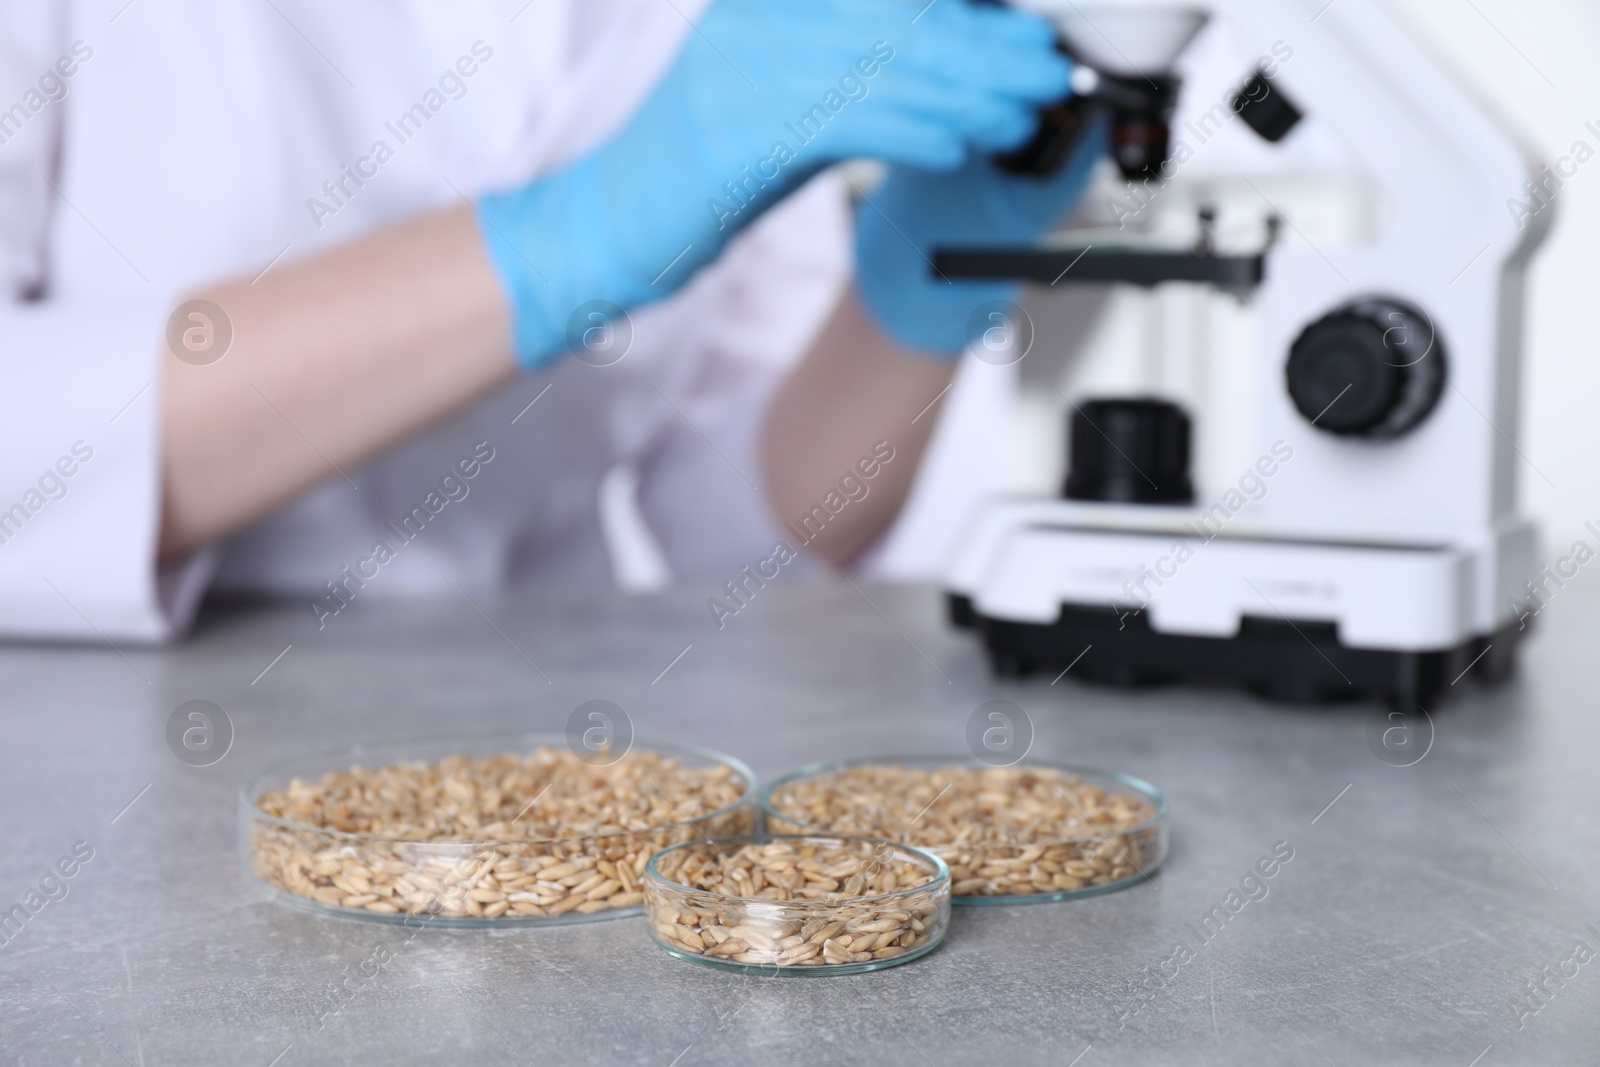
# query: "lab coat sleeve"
{"type": "Point", "coordinates": [80, 486]}
{"type": "Point", "coordinates": [80, 478]}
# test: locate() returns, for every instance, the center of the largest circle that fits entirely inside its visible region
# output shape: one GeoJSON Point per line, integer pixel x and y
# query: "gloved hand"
{"type": "Point", "coordinates": [915, 211]}
{"type": "Point", "coordinates": [763, 94]}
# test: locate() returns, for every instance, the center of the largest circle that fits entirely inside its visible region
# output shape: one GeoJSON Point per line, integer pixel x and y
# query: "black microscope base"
{"type": "Point", "coordinates": [1295, 662]}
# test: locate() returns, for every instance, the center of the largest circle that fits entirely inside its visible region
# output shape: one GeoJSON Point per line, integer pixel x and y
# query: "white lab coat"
{"type": "Point", "coordinates": [192, 141]}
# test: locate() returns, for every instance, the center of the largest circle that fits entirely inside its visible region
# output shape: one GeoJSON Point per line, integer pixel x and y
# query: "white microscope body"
{"type": "Point", "coordinates": [1369, 549]}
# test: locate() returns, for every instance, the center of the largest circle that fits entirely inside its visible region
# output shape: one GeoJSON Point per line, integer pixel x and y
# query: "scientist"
{"type": "Point", "coordinates": [295, 288]}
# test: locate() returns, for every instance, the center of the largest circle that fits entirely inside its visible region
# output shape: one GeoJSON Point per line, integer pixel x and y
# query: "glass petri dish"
{"type": "Point", "coordinates": [490, 880]}
{"type": "Point", "coordinates": [798, 936]}
{"type": "Point", "coordinates": [1061, 861]}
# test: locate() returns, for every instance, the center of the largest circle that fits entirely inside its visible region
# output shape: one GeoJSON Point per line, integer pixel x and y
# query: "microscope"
{"type": "Point", "coordinates": [1353, 533]}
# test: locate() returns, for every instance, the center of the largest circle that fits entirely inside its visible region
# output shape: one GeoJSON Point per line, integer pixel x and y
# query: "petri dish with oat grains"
{"type": "Point", "coordinates": [478, 831]}
{"type": "Point", "coordinates": [1027, 833]}
{"type": "Point", "coordinates": [792, 905]}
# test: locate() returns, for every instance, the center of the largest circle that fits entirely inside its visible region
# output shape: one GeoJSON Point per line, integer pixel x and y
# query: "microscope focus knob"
{"type": "Point", "coordinates": [1129, 451]}
{"type": "Point", "coordinates": [1372, 368]}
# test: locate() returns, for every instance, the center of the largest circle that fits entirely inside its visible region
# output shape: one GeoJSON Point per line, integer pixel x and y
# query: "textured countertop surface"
{"type": "Point", "coordinates": [1421, 905]}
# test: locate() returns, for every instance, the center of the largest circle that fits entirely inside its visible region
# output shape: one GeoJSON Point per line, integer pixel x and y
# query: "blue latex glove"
{"type": "Point", "coordinates": [763, 95]}
{"type": "Point", "coordinates": [915, 211]}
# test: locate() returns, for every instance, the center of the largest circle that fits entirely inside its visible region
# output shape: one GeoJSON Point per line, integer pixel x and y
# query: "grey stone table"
{"type": "Point", "coordinates": [1421, 906]}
